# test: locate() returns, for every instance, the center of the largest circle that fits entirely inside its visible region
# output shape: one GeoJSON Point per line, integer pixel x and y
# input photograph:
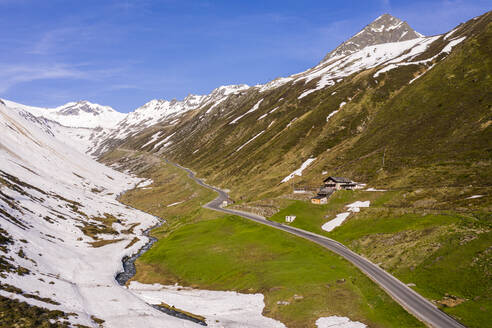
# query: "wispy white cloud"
{"type": "Point", "coordinates": [11, 75]}
{"type": "Point", "coordinates": [49, 42]}
{"type": "Point", "coordinates": [115, 87]}
{"type": "Point", "coordinates": [14, 74]}
{"type": "Point", "coordinates": [70, 38]}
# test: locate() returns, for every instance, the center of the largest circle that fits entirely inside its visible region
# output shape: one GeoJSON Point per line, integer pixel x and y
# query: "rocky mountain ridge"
{"type": "Point", "coordinates": [384, 29]}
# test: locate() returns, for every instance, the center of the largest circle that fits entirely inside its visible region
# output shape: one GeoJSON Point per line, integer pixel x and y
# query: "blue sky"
{"type": "Point", "coordinates": [125, 53]}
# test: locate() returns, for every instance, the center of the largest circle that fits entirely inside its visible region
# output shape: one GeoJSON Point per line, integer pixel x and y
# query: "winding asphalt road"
{"type": "Point", "coordinates": [405, 296]}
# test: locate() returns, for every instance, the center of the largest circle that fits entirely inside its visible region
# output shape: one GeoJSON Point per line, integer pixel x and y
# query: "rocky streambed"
{"type": "Point", "coordinates": [129, 272]}
{"type": "Point", "coordinates": [129, 269]}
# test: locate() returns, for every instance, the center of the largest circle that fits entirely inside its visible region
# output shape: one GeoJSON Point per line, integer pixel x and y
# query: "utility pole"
{"type": "Point", "coordinates": [293, 178]}
{"type": "Point", "coordinates": [384, 155]}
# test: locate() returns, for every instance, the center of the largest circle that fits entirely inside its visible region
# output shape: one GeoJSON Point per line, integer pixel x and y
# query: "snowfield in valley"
{"type": "Point", "coordinates": [50, 194]}
{"type": "Point", "coordinates": [221, 309]}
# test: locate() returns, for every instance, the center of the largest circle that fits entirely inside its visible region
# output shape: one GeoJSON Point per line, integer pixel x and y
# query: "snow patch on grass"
{"type": "Point", "coordinates": [337, 221]}
{"type": "Point", "coordinates": [418, 76]}
{"type": "Point", "coordinates": [292, 121]}
{"type": "Point", "coordinates": [338, 322]}
{"type": "Point", "coordinates": [373, 189]}
{"type": "Point", "coordinates": [341, 217]}
{"type": "Point", "coordinates": [145, 183]}
{"type": "Point", "coordinates": [298, 172]}
{"type": "Point", "coordinates": [165, 140]}
{"type": "Point", "coordinates": [154, 138]}
{"type": "Point", "coordinates": [331, 114]}
{"type": "Point", "coordinates": [247, 142]}
{"type": "Point", "coordinates": [397, 62]}
{"type": "Point", "coordinates": [221, 309]}
{"type": "Point", "coordinates": [355, 207]}
{"type": "Point", "coordinates": [475, 196]}
{"type": "Point", "coordinates": [324, 82]}
{"type": "Point", "coordinates": [254, 108]}
{"type": "Point", "coordinates": [174, 204]}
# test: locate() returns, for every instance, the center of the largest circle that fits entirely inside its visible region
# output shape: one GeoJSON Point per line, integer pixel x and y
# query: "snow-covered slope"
{"type": "Point", "coordinates": [332, 71]}
{"type": "Point", "coordinates": [81, 139]}
{"type": "Point", "coordinates": [81, 114]}
{"type": "Point", "coordinates": [63, 233]}
{"type": "Point", "coordinates": [81, 125]}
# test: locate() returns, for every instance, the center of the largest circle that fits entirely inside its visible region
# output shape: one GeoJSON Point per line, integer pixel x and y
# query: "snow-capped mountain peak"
{"type": "Point", "coordinates": [226, 90]}
{"type": "Point", "coordinates": [85, 114]}
{"type": "Point", "coordinates": [384, 29]}
{"type": "Point", "coordinates": [162, 107]}
{"type": "Point", "coordinates": [74, 108]}
{"type": "Point", "coordinates": [80, 114]}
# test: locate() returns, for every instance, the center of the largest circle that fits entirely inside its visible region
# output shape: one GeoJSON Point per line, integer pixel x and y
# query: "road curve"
{"type": "Point", "coordinates": [405, 296]}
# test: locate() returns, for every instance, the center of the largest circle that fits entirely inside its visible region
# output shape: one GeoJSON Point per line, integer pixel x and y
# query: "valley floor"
{"type": "Point", "coordinates": [431, 251]}
{"type": "Point", "coordinates": [200, 248]}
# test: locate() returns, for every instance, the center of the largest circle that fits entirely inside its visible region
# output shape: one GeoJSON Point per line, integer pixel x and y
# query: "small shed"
{"type": "Point", "coordinates": [227, 202]}
{"type": "Point", "coordinates": [290, 218]}
{"type": "Point", "coordinates": [319, 200]}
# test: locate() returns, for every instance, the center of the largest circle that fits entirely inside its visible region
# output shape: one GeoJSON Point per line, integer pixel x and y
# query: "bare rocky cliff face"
{"type": "Point", "coordinates": [383, 29]}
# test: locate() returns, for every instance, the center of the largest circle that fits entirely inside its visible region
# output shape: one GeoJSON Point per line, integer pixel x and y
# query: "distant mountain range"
{"type": "Point", "coordinates": [387, 43]}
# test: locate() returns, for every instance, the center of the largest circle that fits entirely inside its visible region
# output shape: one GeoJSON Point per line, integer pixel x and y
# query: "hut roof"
{"type": "Point", "coordinates": [338, 180]}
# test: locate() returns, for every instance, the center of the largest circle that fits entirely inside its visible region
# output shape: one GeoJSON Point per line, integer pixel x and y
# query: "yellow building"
{"type": "Point", "coordinates": [319, 200]}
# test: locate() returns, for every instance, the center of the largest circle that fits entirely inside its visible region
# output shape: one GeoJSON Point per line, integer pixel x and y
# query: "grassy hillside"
{"type": "Point", "coordinates": [204, 249]}
{"type": "Point", "coordinates": [444, 255]}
